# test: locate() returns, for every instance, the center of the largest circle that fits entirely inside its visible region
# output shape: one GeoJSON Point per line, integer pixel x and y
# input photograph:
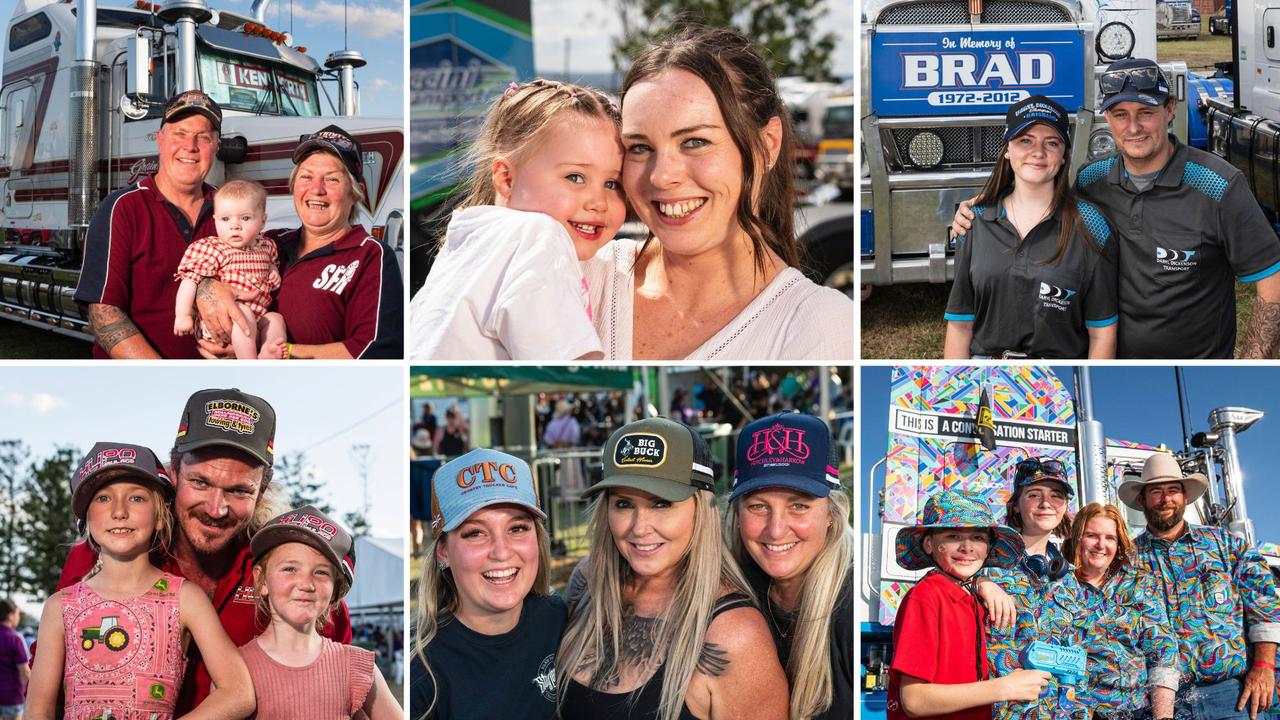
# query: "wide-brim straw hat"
{"type": "Point", "coordinates": [1161, 468]}
{"type": "Point", "coordinates": [957, 509]}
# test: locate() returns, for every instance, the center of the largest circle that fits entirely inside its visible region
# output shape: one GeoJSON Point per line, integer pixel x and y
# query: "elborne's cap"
{"type": "Point", "coordinates": [110, 461]}
{"type": "Point", "coordinates": [336, 141]}
{"type": "Point", "coordinates": [957, 509]}
{"type": "Point", "coordinates": [230, 418]}
{"type": "Point", "coordinates": [659, 456]}
{"type": "Point", "coordinates": [1036, 109]}
{"type": "Point", "coordinates": [192, 102]}
{"type": "Point", "coordinates": [309, 526]}
{"type": "Point", "coordinates": [789, 450]}
{"type": "Point", "coordinates": [478, 479]}
{"type": "Point", "coordinates": [1142, 82]}
{"type": "Point", "coordinates": [1161, 468]}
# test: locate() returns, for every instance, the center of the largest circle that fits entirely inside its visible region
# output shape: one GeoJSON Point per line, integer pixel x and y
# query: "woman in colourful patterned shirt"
{"type": "Point", "coordinates": [1133, 654]}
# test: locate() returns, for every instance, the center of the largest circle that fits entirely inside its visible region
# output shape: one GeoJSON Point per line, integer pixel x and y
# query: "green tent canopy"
{"type": "Point", "coordinates": [490, 381]}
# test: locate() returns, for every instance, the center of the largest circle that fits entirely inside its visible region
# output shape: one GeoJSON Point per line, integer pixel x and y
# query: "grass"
{"type": "Point", "coordinates": [19, 341]}
{"type": "Point", "coordinates": [1199, 54]}
{"type": "Point", "coordinates": [905, 321]}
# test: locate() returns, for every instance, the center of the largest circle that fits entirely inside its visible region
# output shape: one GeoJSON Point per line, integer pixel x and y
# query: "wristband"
{"type": "Point", "coordinates": [1264, 664]}
{"type": "Point", "coordinates": [288, 351]}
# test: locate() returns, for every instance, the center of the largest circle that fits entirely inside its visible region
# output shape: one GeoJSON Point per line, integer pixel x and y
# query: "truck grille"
{"type": "Point", "coordinates": [958, 146]}
{"type": "Point", "coordinates": [952, 12]}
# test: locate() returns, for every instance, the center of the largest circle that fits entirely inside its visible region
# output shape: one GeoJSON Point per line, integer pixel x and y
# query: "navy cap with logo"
{"type": "Point", "coordinates": [789, 450]}
{"type": "Point", "coordinates": [1036, 109]}
{"type": "Point", "coordinates": [228, 418]}
{"type": "Point", "coordinates": [309, 526]}
{"type": "Point", "coordinates": [659, 456]}
{"type": "Point", "coordinates": [336, 141]}
{"type": "Point", "coordinates": [1133, 80]}
{"type": "Point", "coordinates": [110, 461]}
{"type": "Point", "coordinates": [193, 102]}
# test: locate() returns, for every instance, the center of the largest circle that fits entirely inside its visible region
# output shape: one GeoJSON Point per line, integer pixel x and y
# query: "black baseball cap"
{"type": "Point", "coordinates": [109, 461]}
{"type": "Point", "coordinates": [336, 141]}
{"type": "Point", "coordinates": [193, 102]}
{"type": "Point", "coordinates": [1036, 109]}
{"type": "Point", "coordinates": [309, 526]}
{"type": "Point", "coordinates": [659, 456]}
{"type": "Point", "coordinates": [231, 418]}
{"type": "Point", "coordinates": [1133, 80]}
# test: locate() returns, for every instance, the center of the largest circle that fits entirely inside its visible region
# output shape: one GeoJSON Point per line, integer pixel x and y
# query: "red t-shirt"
{"type": "Point", "coordinates": [939, 636]}
{"type": "Point", "coordinates": [234, 602]}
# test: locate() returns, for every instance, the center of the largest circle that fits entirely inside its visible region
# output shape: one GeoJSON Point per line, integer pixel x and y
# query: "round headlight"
{"type": "Point", "coordinates": [925, 150]}
{"type": "Point", "coordinates": [1101, 144]}
{"type": "Point", "coordinates": [1115, 41]}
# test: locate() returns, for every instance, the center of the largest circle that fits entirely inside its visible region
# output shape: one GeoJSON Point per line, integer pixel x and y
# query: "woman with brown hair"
{"type": "Point", "coordinates": [707, 166]}
{"type": "Point", "coordinates": [1133, 652]}
{"type": "Point", "coordinates": [1035, 276]}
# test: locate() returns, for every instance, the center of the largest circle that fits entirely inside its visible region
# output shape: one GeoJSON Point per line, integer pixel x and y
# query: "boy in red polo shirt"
{"type": "Point", "coordinates": [939, 637]}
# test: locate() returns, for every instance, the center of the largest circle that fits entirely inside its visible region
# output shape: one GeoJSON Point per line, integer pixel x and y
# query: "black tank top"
{"type": "Point", "coordinates": [584, 703]}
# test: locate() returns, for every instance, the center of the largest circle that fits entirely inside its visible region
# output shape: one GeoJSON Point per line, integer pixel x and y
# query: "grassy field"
{"type": "Point", "coordinates": [1199, 54]}
{"type": "Point", "coordinates": [19, 342]}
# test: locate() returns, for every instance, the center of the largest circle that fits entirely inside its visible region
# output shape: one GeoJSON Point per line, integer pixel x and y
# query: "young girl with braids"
{"type": "Point", "coordinates": [545, 193]}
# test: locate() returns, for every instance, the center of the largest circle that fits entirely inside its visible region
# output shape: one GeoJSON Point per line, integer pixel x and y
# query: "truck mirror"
{"type": "Point", "coordinates": [138, 67]}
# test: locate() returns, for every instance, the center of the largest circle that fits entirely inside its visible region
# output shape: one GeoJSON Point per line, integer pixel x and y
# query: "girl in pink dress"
{"type": "Point", "coordinates": [303, 563]}
{"type": "Point", "coordinates": [115, 643]}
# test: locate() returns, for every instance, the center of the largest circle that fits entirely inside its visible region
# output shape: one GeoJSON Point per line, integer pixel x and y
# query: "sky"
{"type": "Point", "coordinates": [556, 20]}
{"type": "Point", "coordinates": [322, 410]}
{"type": "Point", "coordinates": [374, 27]}
{"type": "Point", "coordinates": [1141, 404]}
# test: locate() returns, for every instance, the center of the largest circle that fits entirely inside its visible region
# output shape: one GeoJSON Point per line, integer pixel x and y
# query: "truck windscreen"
{"type": "Point", "coordinates": [256, 86]}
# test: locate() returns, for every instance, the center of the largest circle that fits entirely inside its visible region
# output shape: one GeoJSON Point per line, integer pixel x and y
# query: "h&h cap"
{"type": "Point", "coordinates": [309, 526]}
{"type": "Point", "coordinates": [789, 450]}
{"type": "Point", "coordinates": [659, 456]}
{"type": "Point", "coordinates": [231, 418]}
{"type": "Point", "coordinates": [108, 461]}
{"type": "Point", "coordinates": [476, 480]}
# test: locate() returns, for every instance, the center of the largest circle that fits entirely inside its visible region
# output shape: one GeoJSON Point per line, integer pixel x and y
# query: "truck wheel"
{"type": "Point", "coordinates": [116, 639]}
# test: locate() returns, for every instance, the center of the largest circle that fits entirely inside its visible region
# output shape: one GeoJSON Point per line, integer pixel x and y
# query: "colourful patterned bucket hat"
{"type": "Point", "coordinates": [957, 509]}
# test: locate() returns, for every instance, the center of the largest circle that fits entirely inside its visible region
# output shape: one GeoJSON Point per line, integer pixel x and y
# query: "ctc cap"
{"type": "Point", "coordinates": [111, 461]}
{"type": "Point", "coordinates": [659, 456]}
{"type": "Point", "coordinates": [193, 102]}
{"type": "Point", "coordinates": [1133, 80]}
{"type": "Point", "coordinates": [1036, 109]}
{"type": "Point", "coordinates": [308, 526]}
{"type": "Point", "coordinates": [790, 450]}
{"type": "Point", "coordinates": [336, 141]}
{"type": "Point", "coordinates": [230, 418]}
{"type": "Point", "coordinates": [476, 480]}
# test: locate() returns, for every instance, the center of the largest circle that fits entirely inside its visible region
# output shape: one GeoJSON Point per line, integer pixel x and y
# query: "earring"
{"type": "Point", "coordinates": [441, 565]}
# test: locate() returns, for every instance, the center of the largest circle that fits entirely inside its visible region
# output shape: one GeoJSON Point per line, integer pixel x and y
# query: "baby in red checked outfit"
{"type": "Point", "coordinates": [240, 257]}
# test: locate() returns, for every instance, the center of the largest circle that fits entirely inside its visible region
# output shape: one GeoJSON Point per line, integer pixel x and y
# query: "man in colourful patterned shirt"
{"type": "Point", "coordinates": [1217, 591]}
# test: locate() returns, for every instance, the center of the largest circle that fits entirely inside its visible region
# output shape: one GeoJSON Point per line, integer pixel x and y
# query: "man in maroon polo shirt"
{"type": "Point", "coordinates": [138, 235]}
{"type": "Point", "coordinates": [221, 461]}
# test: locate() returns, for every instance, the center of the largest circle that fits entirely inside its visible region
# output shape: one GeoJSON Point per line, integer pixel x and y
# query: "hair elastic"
{"type": "Point", "coordinates": [511, 90]}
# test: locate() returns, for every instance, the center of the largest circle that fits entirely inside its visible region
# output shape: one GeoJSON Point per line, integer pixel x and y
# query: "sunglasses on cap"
{"type": "Point", "coordinates": [1141, 78]}
{"type": "Point", "coordinates": [1034, 469]}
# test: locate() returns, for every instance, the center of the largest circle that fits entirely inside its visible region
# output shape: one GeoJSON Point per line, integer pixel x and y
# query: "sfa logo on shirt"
{"type": "Point", "coordinates": [1176, 260]}
{"type": "Point", "coordinates": [336, 277]}
{"type": "Point", "coordinates": [1055, 298]}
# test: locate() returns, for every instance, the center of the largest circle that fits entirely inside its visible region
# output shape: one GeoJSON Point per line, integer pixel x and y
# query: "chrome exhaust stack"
{"type": "Point", "coordinates": [1227, 423]}
{"type": "Point", "coordinates": [82, 185]}
{"type": "Point", "coordinates": [184, 15]}
{"type": "Point", "coordinates": [346, 62]}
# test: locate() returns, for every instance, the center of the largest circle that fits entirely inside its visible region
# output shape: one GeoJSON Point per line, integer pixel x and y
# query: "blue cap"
{"type": "Point", "coordinates": [1036, 110]}
{"type": "Point", "coordinates": [1129, 91]}
{"type": "Point", "coordinates": [476, 480]}
{"type": "Point", "coordinates": [789, 450]}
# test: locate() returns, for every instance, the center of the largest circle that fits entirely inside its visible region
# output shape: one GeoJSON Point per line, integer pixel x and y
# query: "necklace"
{"type": "Point", "coordinates": [768, 606]}
{"type": "Point", "coordinates": [1013, 218]}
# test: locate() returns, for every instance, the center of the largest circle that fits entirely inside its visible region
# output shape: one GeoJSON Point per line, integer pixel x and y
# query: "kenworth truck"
{"type": "Point", "coordinates": [938, 77]}
{"type": "Point", "coordinates": [82, 89]}
{"type": "Point", "coordinates": [932, 446]}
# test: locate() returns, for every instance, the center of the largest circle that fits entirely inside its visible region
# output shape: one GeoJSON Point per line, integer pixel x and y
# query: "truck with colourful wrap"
{"type": "Point", "coordinates": [933, 445]}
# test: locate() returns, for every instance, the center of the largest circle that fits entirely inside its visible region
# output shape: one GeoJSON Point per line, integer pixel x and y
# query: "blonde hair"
{"type": "Point", "coordinates": [513, 124]}
{"type": "Point", "coordinates": [357, 189]}
{"type": "Point", "coordinates": [809, 666]}
{"type": "Point", "coordinates": [593, 637]}
{"type": "Point", "coordinates": [1124, 545]}
{"type": "Point", "coordinates": [244, 190]}
{"type": "Point", "coordinates": [438, 597]}
{"type": "Point", "coordinates": [262, 603]}
{"type": "Point", "coordinates": [160, 537]}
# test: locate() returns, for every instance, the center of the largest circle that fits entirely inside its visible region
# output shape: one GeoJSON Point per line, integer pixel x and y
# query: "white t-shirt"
{"type": "Point", "coordinates": [507, 285]}
{"type": "Point", "coordinates": [793, 318]}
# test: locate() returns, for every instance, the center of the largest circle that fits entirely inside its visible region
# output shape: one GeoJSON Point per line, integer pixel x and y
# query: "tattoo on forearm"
{"type": "Point", "coordinates": [1264, 329]}
{"type": "Point", "coordinates": [713, 660]}
{"type": "Point", "coordinates": [110, 325]}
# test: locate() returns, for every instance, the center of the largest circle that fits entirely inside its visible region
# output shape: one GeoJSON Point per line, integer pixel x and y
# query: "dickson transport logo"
{"type": "Point", "coordinates": [1056, 298]}
{"type": "Point", "coordinates": [1176, 260]}
{"type": "Point", "coordinates": [640, 450]}
{"type": "Point", "coordinates": [230, 415]}
{"type": "Point", "coordinates": [777, 444]}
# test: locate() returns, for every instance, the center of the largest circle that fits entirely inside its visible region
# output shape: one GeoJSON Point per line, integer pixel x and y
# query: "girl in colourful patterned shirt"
{"type": "Point", "coordinates": [115, 643]}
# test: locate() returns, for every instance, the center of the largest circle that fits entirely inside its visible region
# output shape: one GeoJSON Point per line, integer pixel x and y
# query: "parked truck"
{"type": "Point", "coordinates": [1221, 24]}
{"type": "Point", "coordinates": [81, 92]}
{"type": "Point", "coordinates": [1176, 19]}
{"type": "Point", "coordinates": [932, 445]}
{"type": "Point", "coordinates": [939, 77]}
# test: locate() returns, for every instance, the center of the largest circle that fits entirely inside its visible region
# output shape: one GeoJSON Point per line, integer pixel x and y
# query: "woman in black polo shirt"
{"type": "Point", "coordinates": [1036, 275]}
